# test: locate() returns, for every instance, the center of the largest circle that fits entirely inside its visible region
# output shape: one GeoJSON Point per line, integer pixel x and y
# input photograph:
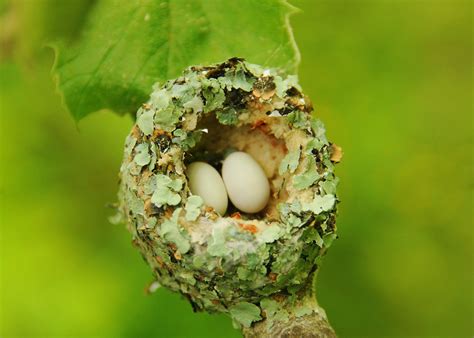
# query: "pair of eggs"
{"type": "Point", "coordinates": [243, 181]}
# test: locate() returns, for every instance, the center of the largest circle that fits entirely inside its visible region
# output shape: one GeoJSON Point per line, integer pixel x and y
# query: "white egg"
{"type": "Point", "coordinates": [245, 181]}
{"type": "Point", "coordinates": [206, 182]}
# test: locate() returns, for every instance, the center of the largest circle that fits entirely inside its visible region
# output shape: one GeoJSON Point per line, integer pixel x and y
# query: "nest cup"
{"type": "Point", "coordinates": [226, 262]}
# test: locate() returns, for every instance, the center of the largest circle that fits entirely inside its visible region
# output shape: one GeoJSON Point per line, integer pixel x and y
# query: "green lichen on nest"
{"type": "Point", "coordinates": [232, 264]}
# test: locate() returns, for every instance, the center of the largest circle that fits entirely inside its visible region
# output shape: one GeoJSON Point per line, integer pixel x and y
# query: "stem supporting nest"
{"type": "Point", "coordinates": [313, 325]}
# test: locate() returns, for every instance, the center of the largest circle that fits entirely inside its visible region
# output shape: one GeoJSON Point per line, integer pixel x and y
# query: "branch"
{"type": "Point", "coordinates": [305, 319]}
{"type": "Point", "coordinates": [309, 326]}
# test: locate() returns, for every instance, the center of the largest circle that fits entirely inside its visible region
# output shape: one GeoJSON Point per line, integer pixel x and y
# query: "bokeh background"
{"type": "Point", "coordinates": [392, 80]}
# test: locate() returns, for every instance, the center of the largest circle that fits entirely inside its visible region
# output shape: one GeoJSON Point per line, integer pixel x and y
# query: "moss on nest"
{"type": "Point", "coordinates": [236, 262]}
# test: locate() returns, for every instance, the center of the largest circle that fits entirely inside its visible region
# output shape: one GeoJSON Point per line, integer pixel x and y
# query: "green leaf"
{"type": "Point", "coordinates": [127, 46]}
{"type": "Point", "coordinates": [245, 313]}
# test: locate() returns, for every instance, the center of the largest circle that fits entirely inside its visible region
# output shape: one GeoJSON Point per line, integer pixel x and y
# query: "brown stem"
{"type": "Point", "coordinates": [313, 325]}
{"type": "Point", "coordinates": [303, 318]}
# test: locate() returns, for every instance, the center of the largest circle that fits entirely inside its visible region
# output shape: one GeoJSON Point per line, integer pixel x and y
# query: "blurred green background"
{"type": "Point", "coordinates": [392, 80]}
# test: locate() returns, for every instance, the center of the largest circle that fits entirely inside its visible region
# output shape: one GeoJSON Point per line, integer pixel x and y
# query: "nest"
{"type": "Point", "coordinates": [225, 262]}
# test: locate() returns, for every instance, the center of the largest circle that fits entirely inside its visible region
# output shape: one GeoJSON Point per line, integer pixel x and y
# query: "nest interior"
{"type": "Point", "coordinates": [255, 139]}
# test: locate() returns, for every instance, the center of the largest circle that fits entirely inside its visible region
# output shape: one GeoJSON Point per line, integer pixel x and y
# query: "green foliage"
{"type": "Point", "coordinates": [126, 46]}
{"type": "Point", "coordinates": [38, 22]}
{"type": "Point", "coordinates": [397, 104]}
